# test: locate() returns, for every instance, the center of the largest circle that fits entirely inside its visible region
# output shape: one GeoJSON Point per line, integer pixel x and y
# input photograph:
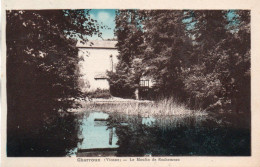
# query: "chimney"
{"type": "Point", "coordinates": [111, 61]}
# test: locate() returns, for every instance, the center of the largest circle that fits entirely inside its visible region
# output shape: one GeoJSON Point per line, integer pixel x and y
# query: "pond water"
{"type": "Point", "coordinates": [95, 133]}
{"type": "Point", "coordinates": [114, 134]}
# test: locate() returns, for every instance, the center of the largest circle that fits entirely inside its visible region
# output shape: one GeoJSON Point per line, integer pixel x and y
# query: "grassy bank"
{"type": "Point", "coordinates": [166, 107]}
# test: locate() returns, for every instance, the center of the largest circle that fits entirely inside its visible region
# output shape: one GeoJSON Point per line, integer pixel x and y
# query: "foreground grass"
{"type": "Point", "coordinates": [166, 107]}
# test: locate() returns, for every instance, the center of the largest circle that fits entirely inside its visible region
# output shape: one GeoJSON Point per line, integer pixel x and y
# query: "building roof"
{"type": "Point", "coordinates": [100, 76]}
{"type": "Point", "coordinates": [101, 44]}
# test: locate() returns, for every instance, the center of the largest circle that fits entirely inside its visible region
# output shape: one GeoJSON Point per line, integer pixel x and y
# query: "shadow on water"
{"type": "Point", "coordinates": [116, 134]}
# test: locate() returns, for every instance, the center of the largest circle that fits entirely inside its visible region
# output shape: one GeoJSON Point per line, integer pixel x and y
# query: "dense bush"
{"type": "Point", "coordinates": [99, 93]}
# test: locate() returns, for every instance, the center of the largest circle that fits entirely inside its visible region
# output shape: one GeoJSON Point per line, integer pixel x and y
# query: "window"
{"type": "Point", "coordinates": [144, 83]}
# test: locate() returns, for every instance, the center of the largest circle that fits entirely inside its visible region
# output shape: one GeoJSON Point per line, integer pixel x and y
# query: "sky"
{"type": "Point", "coordinates": [107, 17]}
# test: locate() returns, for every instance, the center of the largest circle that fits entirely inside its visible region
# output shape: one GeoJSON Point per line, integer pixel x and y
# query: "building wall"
{"type": "Point", "coordinates": [96, 61]}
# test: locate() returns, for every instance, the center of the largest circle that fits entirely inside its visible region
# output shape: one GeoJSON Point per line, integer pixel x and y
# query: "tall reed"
{"type": "Point", "coordinates": [164, 107]}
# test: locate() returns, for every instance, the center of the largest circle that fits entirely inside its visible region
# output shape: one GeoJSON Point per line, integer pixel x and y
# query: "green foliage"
{"type": "Point", "coordinates": [167, 48]}
{"type": "Point", "coordinates": [42, 78]}
{"type": "Point", "coordinates": [129, 69]}
{"type": "Point", "coordinates": [198, 56]}
{"type": "Point", "coordinates": [223, 55]}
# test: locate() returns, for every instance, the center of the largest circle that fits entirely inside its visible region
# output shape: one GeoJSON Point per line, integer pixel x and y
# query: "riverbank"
{"type": "Point", "coordinates": [146, 108]}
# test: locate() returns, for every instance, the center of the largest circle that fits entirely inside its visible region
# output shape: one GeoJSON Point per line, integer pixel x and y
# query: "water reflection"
{"type": "Point", "coordinates": [116, 134]}
{"type": "Point", "coordinates": [95, 134]}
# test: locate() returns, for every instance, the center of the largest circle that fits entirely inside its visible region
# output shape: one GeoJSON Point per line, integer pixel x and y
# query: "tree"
{"type": "Point", "coordinates": [198, 56]}
{"type": "Point", "coordinates": [167, 49]}
{"type": "Point", "coordinates": [238, 50]}
{"type": "Point", "coordinates": [130, 37]}
{"type": "Point", "coordinates": [42, 79]}
{"type": "Point", "coordinates": [223, 59]}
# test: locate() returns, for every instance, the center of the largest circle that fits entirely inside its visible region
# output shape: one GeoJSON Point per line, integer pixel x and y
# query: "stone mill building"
{"type": "Point", "coordinates": [97, 58]}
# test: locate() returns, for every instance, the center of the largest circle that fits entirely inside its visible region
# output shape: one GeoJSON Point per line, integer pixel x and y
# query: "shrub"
{"type": "Point", "coordinates": [99, 93]}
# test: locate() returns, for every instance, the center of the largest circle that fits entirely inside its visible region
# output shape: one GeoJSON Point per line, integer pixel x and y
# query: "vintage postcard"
{"type": "Point", "coordinates": [130, 83]}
